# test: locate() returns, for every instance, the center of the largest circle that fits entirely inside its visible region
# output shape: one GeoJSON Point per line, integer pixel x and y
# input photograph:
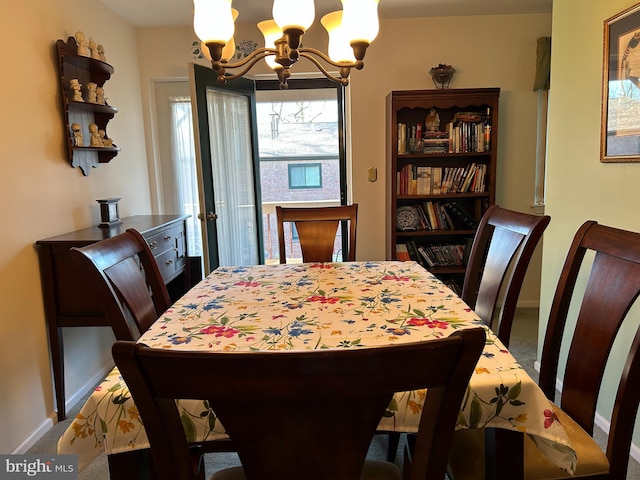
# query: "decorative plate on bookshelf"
{"type": "Point", "coordinates": [407, 218]}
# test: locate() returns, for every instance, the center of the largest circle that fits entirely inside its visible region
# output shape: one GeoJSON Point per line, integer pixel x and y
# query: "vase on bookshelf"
{"type": "Point", "coordinates": [442, 75]}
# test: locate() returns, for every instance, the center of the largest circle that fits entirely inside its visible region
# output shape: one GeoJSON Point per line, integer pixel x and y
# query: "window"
{"type": "Point", "coordinates": [305, 175]}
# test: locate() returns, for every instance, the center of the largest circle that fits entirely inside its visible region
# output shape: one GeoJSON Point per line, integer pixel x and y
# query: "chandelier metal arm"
{"type": "Point", "coordinates": [358, 64]}
{"type": "Point", "coordinates": [248, 62]}
{"type": "Point", "coordinates": [345, 68]}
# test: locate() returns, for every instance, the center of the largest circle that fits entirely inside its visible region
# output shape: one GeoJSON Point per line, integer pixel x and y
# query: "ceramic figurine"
{"type": "Point", "coordinates": [107, 142]}
{"type": "Point", "coordinates": [77, 134]}
{"type": "Point", "coordinates": [92, 95]}
{"type": "Point", "coordinates": [93, 46]}
{"type": "Point", "coordinates": [96, 140]}
{"type": "Point", "coordinates": [82, 44]}
{"type": "Point", "coordinates": [101, 53]}
{"type": "Point", "coordinates": [100, 95]}
{"type": "Point", "coordinates": [76, 88]}
{"type": "Point", "coordinates": [432, 122]}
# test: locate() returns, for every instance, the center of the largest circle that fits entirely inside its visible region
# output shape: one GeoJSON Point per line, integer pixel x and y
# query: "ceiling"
{"type": "Point", "coordinates": [164, 13]}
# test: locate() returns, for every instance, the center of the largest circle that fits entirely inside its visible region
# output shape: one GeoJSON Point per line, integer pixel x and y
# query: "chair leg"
{"type": "Point", "coordinates": [394, 441]}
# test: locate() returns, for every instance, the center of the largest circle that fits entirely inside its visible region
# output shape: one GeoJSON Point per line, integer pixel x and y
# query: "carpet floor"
{"type": "Point", "coordinates": [524, 339]}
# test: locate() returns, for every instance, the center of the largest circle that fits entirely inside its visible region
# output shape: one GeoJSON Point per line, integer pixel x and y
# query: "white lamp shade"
{"type": "Point", "coordinates": [229, 50]}
{"type": "Point", "coordinates": [294, 13]}
{"type": "Point", "coordinates": [360, 19]}
{"type": "Point", "coordinates": [339, 48]}
{"type": "Point", "coordinates": [271, 32]}
{"type": "Point", "coordinates": [213, 20]}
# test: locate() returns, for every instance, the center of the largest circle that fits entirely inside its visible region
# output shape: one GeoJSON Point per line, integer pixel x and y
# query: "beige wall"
{"type": "Point", "coordinates": [42, 196]}
{"type": "Point", "coordinates": [579, 187]}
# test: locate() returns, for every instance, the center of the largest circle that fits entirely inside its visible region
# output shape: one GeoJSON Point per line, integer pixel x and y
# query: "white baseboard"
{"type": "Point", "coordinates": [52, 418]}
{"type": "Point", "coordinates": [600, 421]}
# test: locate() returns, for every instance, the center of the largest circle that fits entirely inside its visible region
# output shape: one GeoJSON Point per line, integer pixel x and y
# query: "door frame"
{"type": "Point", "coordinates": [341, 95]}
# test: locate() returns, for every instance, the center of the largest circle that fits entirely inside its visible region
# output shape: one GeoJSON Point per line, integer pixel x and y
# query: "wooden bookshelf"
{"type": "Point", "coordinates": [441, 168]}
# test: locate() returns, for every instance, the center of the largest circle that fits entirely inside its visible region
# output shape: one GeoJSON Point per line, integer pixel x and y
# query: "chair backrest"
{"type": "Point", "coordinates": [127, 281]}
{"type": "Point", "coordinates": [500, 254]}
{"type": "Point", "coordinates": [612, 287]}
{"type": "Point", "coordinates": [317, 228]}
{"type": "Point", "coordinates": [294, 415]}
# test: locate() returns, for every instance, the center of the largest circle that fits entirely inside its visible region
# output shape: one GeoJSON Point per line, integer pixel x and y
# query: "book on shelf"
{"type": "Point", "coordinates": [425, 224]}
{"type": "Point", "coordinates": [413, 252]}
{"type": "Point", "coordinates": [402, 138]}
{"type": "Point", "coordinates": [429, 260]}
{"type": "Point", "coordinates": [436, 180]}
{"type": "Point", "coordinates": [425, 180]}
{"type": "Point", "coordinates": [465, 218]}
{"type": "Point", "coordinates": [453, 285]}
{"type": "Point", "coordinates": [442, 254]}
{"type": "Point", "coordinates": [402, 253]}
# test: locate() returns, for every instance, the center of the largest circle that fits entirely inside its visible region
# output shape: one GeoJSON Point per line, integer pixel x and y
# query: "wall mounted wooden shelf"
{"type": "Point", "coordinates": [85, 70]}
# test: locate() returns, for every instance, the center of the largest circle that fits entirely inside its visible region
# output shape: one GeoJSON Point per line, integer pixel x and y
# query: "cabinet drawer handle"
{"type": "Point", "coordinates": [153, 245]}
{"type": "Point", "coordinates": [167, 238]}
{"type": "Point", "coordinates": [168, 263]}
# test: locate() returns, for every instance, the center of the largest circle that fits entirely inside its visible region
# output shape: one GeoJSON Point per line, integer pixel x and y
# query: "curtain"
{"type": "Point", "coordinates": [541, 85]}
{"type": "Point", "coordinates": [543, 64]}
{"type": "Point", "coordinates": [183, 161]}
{"type": "Point", "coordinates": [233, 178]}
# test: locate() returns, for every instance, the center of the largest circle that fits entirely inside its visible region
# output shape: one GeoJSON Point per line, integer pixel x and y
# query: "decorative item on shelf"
{"type": "Point", "coordinates": [92, 94]}
{"type": "Point", "coordinates": [350, 33]}
{"type": "Point", "coordinates": [96, 139]}
{"type": "Point", "coordinates": [109, 214]}
{"type": "Point", "coordinates": [407, 218]}
{"type": "Point", "coordinates": [106, 142]}
{"type": "Point", "coordinates": [76, 130]}
{"type": "Point", "coordinates": [93, 48]}
{"type": "Point", "coordinates": [101, 55]}
{"type": "Point", "coordinates": [76, 88]}
{"type": "Point", "coordinates": [432, 121]}
{"type": "Point", "coordinates": [83, 49]}
{"type": "Point", "coordinates": [442, 75]}
{"type": "Point", "coordinates": [100, 96]}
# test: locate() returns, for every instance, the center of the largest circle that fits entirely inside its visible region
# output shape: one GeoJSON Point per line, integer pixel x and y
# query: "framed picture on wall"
{"type": "Point", "coordinates": [620, 129]}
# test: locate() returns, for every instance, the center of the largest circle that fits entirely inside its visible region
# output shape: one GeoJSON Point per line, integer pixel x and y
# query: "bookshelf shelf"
{"type": "Point", "coordinates": [441, 162]}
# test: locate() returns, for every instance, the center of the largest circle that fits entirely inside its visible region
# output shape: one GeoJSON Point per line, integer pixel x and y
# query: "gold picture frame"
{"type": "Point", "coordinates": [620, 128]}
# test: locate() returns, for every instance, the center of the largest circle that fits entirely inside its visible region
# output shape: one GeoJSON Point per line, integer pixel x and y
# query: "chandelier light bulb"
{"type": "Point", "coordinates": [294, 13]}
{"type": "Point", "coordinates": [339, 48]}
{"type": "Point", "coordinates": [213, 20]}
{"type": "Point", "coordinates": [271, 32]}
{"type": "Point", "coordinates": [360, 19]}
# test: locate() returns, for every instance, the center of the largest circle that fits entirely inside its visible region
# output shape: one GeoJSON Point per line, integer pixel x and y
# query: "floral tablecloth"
{"type": "Point", "coordinates": [324, 305]}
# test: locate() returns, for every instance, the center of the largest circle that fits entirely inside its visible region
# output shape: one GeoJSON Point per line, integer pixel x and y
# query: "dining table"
{"type": "Point", "coordinates": [309, 306]}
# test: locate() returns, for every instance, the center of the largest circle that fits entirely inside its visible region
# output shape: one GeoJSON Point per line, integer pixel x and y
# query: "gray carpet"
{"type": "Point", "coordinates": [523, 346]}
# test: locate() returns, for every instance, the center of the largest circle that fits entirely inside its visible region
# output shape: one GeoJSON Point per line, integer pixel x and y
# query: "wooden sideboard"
{"type": "Point", "coordinates": [69, 302]}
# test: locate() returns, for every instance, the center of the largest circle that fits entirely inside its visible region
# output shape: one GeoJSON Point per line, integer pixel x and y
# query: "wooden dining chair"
{"type": "Point", "coordinates": [126, 280]}
{"type": "Point", "coordinates": [129, 288]}
{"type": "Point", "coordinates": [500, 255]}
{"type": "Point", "coordinates": [301, 415]}
{"type": "Point", "coordinates": [317, 228]}
{"type": "Point", "coordinates": [612, 288]}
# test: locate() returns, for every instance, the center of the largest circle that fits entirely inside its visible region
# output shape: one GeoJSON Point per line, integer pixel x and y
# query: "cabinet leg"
{"type": "Point", "coordinates": [57, 364]}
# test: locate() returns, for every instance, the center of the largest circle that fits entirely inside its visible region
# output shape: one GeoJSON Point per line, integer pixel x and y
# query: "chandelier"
{"type": "Point", "coordinates": [350, 33]}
